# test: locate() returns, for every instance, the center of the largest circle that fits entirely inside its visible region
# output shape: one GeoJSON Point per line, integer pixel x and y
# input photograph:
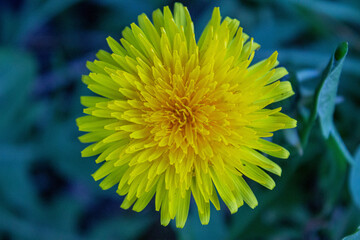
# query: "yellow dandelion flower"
{"type": "Point", "coordinates": [178, 117]}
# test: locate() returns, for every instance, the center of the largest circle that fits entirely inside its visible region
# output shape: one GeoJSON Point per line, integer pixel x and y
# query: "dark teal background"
{"type": "Point", "coordinates": [46, 191]}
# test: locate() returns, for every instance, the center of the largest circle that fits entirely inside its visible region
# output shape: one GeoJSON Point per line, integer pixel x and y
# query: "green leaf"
{"type": "Point", "coordinates": [355, 236]}
{"type": "Point", "coordinates": [324, 99]}
{"type": "Point", "coordinates": [341, 51]}
{"type": "Point", "coordinates": [354, 179]}
{"type": "Point", "coordinates": [337, 145]}
{"type": "Point", "coordinates": [327, 92]}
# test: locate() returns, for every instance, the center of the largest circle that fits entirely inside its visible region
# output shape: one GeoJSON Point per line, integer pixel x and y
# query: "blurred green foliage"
{"type": "Point", "coordinates": [46, 189]}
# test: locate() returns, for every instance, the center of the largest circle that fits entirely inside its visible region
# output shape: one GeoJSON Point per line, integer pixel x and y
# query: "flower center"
{"type": "Point", "coordinates": [182, 114]}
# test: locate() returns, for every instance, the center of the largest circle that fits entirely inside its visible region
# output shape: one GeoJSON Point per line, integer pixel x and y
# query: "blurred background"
{"type": "Point", "coordinates": [46, 191]}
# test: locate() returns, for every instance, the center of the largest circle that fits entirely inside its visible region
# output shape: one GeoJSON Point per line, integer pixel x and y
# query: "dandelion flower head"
{"type": "Point", "coordinates": [177, 117]}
